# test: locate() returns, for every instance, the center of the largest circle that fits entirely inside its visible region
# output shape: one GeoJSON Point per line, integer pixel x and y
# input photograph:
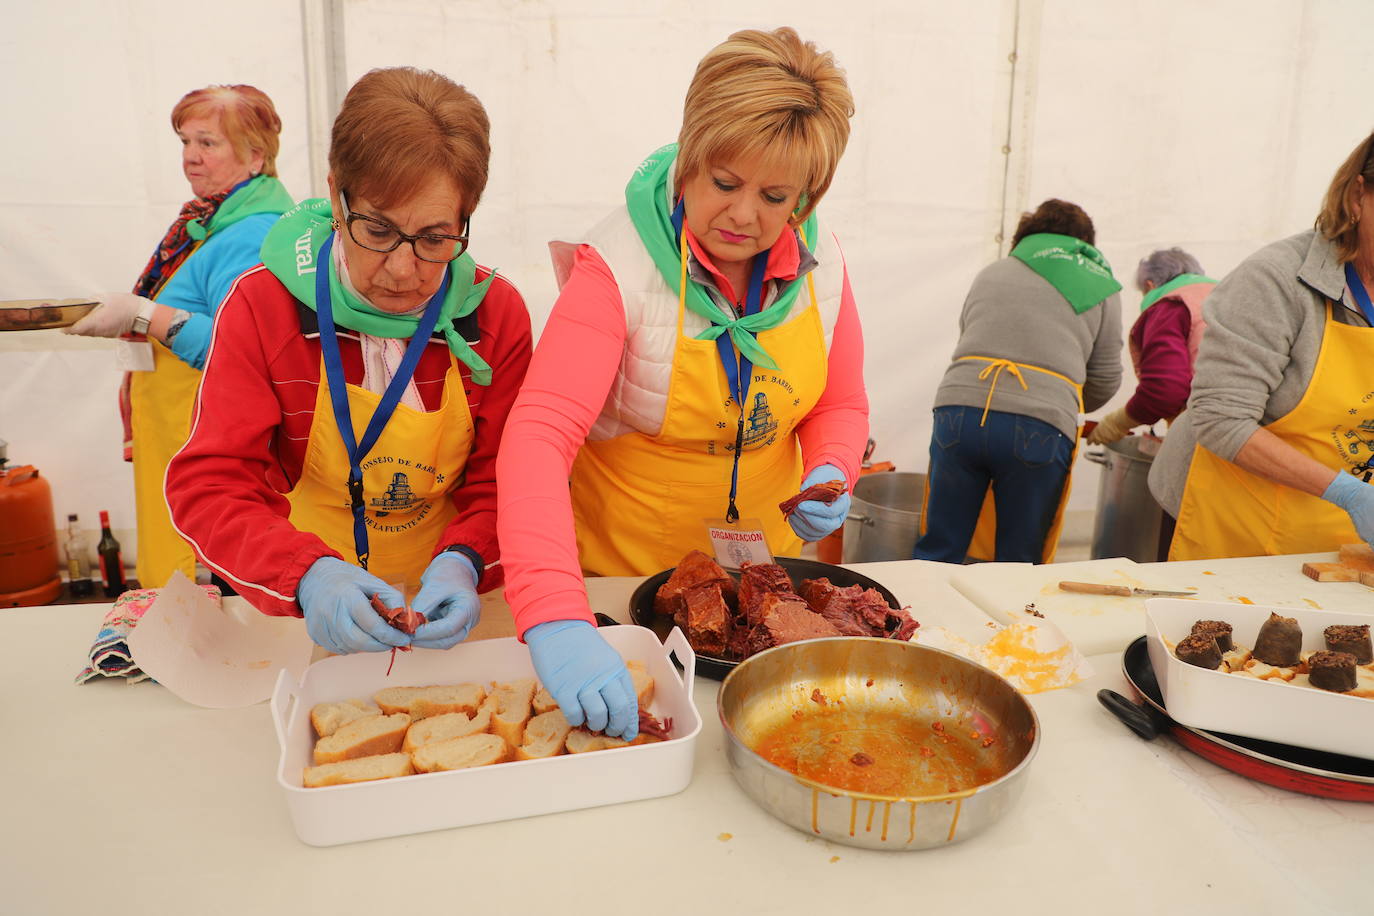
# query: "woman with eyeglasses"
{"type": "Point", "coordinates": [1276, 450]}
{"type": "Point", "coordinates": [229, 139]}
{"type": "Point", "coordinates": [344, 442]}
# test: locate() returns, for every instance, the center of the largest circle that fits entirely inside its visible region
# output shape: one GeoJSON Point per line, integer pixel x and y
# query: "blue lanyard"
{"type": "Point", "coordinates": [739, 369]}
{"type": "Point", "coordinates": [338, 392]}
{"type": "Point", "coordinates": [1356, 287]}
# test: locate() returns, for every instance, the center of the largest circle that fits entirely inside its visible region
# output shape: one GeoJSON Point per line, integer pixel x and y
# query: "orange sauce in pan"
{"type": "Point", "coordinates": [881, 752]}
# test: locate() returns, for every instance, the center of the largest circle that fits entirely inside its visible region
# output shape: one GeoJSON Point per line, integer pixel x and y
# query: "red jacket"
{"type": "Point", "coordinates": [227, 486]}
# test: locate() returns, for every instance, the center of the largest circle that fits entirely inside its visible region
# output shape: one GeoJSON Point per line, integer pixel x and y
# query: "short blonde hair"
{"type": "Point", "coordinates": [769, 94]}
{"type": "Point", "coordinates": [1336, 221]}
{"type": "Point", "coordinates": [399, 126]}
{"type": "Point", "coordinates": [246, 115]}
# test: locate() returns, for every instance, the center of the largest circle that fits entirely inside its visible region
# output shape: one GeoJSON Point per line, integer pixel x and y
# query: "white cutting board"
{"type": "Point", "coordinates": [1103, 623]}
{"type": "Point", "coordinates": [1094, 623]}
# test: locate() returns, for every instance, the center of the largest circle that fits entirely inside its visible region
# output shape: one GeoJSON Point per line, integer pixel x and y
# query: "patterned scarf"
{"type": "Point", "coordinates": [175, 246]}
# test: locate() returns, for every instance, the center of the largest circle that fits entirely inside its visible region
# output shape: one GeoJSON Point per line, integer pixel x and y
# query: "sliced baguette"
{"type": "Point", "coordinates": [444, 727]}
{"type": "Point", "coordinates": [460, 753]}
{"type": "Point", "coordinates": [545, 736]}
{"type": "Point", "coordinates": [644, 683]}
{"type": "Point", "coordinates": [359, 769]}
{"type": "Point", "coordinates": [364, 737]}
{"type": "Point", "coordinates": [421, 702]}
{"type": "Point", "coordinates": [512, 709]}
{"type": "Point", "coordinates": [326, 718]}
{"type": "Point", "coordinates": [543, 702]}
{"type": "Point", "coordinates": [581, 741]}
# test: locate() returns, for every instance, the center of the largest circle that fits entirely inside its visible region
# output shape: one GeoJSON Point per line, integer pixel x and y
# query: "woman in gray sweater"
{"type": "Point", "coordinates": [1039, 341]}
{"type": "Point", "coordinates": [1274, 454]}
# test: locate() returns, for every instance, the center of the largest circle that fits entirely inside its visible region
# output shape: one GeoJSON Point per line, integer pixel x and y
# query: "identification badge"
{"type": "Point", "coordinates": [738, 543]}
{"type": "Point", "coordinates": [134, 355]}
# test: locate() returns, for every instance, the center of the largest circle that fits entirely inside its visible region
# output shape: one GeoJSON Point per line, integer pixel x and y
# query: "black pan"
{"type": "Point", "coordinates": [1297, 769]}
{"type": "Point", "coordinates": [642, 602]}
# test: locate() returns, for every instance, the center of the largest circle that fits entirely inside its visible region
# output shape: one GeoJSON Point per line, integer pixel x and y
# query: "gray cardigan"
{"type": "Point", "coordinates": [1014, 313]}
{"type": "Point", "coordinates": [1265, 324]}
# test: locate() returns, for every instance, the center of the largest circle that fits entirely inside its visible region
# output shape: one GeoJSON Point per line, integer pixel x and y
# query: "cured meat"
{"type": "Point", "coordinates": [402, 618]}
{"type": "Point", "coordinates": [826, 492]}
{"type": "Point", "coordinates": [706, 618]}
{"type": "Point", "coordinates": [696, 568]}
{"type": "Point", "coordinates": [652, 728]}
{"type": "Point", "coordinates": [787, 618]}
{"type": "Point", "coordinates": [756, 582]}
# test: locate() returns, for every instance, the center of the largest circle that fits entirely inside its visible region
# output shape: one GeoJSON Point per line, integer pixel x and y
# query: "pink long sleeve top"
{"type": "Point", "coordinates": [557, 406]}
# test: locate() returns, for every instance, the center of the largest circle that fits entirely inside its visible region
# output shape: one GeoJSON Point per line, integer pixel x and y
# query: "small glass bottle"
{"type": "Point", "coordinates": [111, 562]}
{"type": "Point", "coordinates": [78, 563]}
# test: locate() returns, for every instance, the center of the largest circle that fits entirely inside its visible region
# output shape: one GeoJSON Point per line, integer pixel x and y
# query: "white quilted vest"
{"type": "Point", "coordinates": [638, 397]}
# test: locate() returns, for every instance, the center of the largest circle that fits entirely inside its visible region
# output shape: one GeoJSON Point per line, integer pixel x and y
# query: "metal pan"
{"type": "Point", "coordinates": [1294, 768]}
{"type": "Point", "coordinates": [41, 314]}
{"type": "Point", "coordinates": [642, 602]}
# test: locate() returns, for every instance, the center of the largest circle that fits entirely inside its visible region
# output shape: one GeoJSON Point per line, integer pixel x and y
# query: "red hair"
{"type": "Point", "coordinates": [246, 115]}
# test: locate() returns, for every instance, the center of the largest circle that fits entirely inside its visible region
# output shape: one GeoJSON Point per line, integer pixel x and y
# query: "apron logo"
{"type": "Point", "coordinates": [399, 497]}
{"type": "Point", "coordinates": [760, 427]}
{"type": "Point", "coordinates": [1363, 440]}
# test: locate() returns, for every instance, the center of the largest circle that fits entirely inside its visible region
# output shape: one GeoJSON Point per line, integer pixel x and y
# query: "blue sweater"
{"type": "Point", "coordinates": [203, 280]}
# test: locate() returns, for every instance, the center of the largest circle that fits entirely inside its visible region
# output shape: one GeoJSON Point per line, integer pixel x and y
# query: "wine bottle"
{"type": "Point", "coordinates": [111, 563]}
{"type": "Point", "coordinates": [78, 563]}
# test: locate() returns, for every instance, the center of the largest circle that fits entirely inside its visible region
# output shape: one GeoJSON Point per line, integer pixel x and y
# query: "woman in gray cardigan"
{"type": "Point", "coordinates": [1275, 452]}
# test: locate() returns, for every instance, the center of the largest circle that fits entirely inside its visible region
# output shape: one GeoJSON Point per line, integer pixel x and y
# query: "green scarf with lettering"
{"type": "Point", "coordinates": [292, 249]}
{"type": "Point", "coordinates": [1076, 269]}
{"type": "Point", "coordinates": [1159, 292]}
{"type": "Point", "coordinates": [650, 201]}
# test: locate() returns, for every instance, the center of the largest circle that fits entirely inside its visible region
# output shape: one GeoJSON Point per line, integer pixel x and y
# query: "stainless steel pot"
{"type": "Point", "coordinates": [884, 512]}
{"type": "Point", "coordinates": [1128, 519]}
{"type": "Point", "coordinates": [877, 681]}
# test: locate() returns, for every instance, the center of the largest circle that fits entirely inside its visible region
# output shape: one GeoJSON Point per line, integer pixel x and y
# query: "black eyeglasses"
{"type": "Point", "coordinates": [380, 236]}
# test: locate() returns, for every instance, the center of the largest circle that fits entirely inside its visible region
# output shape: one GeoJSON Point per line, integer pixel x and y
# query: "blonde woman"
{"type": "Point", "coordinates": [704, 359]}
{"type": "Point", "coordinates": [1275, 452]}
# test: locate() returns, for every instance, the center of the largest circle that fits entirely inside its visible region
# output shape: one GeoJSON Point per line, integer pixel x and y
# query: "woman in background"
{"type": "Point", "coordinates": [1045, 322]}
{"type": "Point", "coordinates": [1164, 341]}
{"type": "Point", "coordinates": [229, 138]}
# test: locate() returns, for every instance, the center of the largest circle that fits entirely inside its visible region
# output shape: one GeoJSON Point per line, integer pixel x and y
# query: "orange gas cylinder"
{"type": "Point", "coordinates": [28, 538]}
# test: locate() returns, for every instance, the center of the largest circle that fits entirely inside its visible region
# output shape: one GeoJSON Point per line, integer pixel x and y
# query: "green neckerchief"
{"type": "Point", "coordinates": [650, 201]}
{"type": "Point", "coordinates": [263, 194]}
{"type": "Point", "coordinates": [290, 252]}
{"type": "Point", "coordinates": [1159, 292]}
{"type": "Point", "coordinates": [1072, 266]}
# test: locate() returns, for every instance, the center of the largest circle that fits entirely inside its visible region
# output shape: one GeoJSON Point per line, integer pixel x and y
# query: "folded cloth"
{"type": "Point", "coordinates": [110, 651]}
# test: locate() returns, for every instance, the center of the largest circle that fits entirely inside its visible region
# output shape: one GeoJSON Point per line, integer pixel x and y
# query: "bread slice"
{"type": "Point", "coordinates": [512, 709]}
{"type": "Point", "coordinates": [326, 718]}
{"type": "Point", "coordinates": [543, 702]}
{"type": "Point", "coordinates": [359, 769]}
{"type": "Point", "coordinates": [644, 683]}
{"type": "Point", "coordinates": [581, 741]}
{"type": "Point", "coordinates": [446, 726]}
{"type": "Point", "coordinates": [460, 753]}
{"type": "Point", "coordinates": [363, 738]}
{"type": "Point", "coordinates": [421, 702]}
{"type": "Point", "coordinates": [545, 736]}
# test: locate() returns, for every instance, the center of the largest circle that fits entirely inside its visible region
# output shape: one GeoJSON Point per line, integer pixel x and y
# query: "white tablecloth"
{"type": "Point", "coordinates": [125, 798]}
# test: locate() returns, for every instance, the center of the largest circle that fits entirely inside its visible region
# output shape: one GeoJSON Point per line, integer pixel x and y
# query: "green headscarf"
{"type": "Point", "coordinates": [263, 194]}
{"type": "Point", "coordinates": [1076, 269]}
{"type": "Point", "coordinates": [291, 251]}
{"type": "Point", "coordinates": [650, 201]}
{"type": "Point", "coordinates": [1159, 292]}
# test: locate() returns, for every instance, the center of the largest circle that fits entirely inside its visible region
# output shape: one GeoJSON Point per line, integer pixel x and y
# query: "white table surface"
{"type": "Point", "coordinates": [125, 798]}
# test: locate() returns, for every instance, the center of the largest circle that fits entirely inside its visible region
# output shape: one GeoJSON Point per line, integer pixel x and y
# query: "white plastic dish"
{"type": "Point", "coordinates": [1251, 708]}
{"type": "Point", "coordinates": [436, 801]}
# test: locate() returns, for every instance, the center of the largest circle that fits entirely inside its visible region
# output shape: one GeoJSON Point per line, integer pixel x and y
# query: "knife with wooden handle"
{"type": "Point", "coordinates": [1123, 591]}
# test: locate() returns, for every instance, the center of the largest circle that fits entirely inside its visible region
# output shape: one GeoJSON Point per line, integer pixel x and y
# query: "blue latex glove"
{"type": "Point", "coordinates": [448, 599]}
{"type": "Point", "coordinates": [586, 676]}
{"type": "Point", "coordinates": [1357, 498]}
{"type": "Point", "coordinates": [336, 599]}
{"type": "Point", "coordinates": [813, 519]}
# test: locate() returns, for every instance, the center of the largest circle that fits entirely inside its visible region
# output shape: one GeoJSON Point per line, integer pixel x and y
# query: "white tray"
{"type": "Point", "coordinates": [435, 801]}
{"type": "Point", "coordinates": [1215, 701]}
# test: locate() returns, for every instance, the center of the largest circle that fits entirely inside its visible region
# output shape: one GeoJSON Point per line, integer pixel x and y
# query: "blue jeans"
{"type": "Point", "coordinates": [1024, 460]}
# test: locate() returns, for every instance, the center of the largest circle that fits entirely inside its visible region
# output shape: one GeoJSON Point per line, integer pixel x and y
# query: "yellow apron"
{"type": "Point", "coordinates": [407, 476]}
{"type": "Point", "coordinates": [639, 501]}
{"type": "Point", "coordinates": [160, 404]}
{"type": "Point", "coordinates": [1230, 512]}
{"type": "Point", "coordinates": [984, 544]}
